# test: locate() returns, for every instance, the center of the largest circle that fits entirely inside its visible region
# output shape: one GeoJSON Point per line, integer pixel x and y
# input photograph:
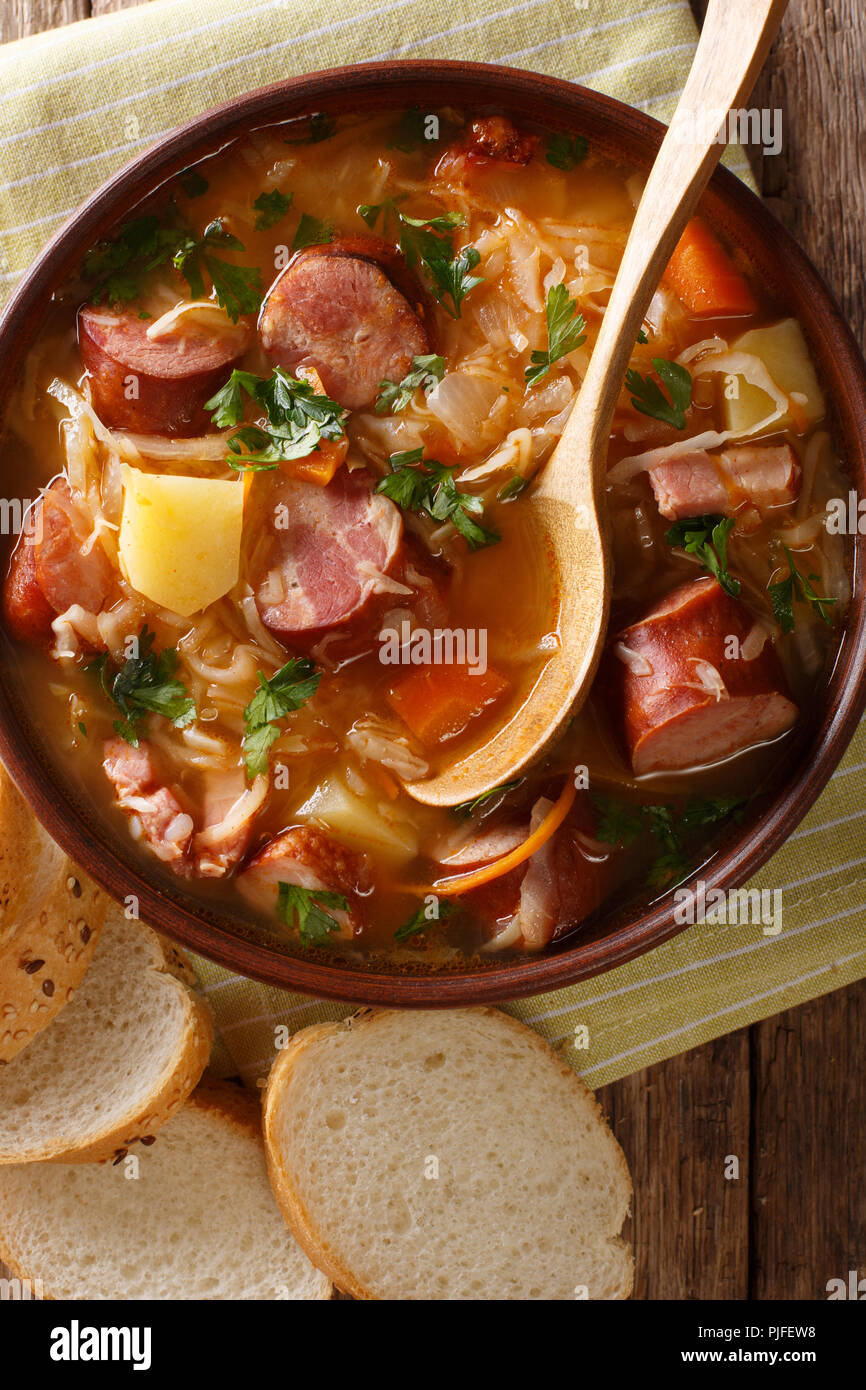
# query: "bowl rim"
{"type": "Point", "coordinates": [558, 104]}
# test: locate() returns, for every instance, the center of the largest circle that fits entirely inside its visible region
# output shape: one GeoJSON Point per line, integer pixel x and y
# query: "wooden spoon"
{"type": "Point", "coordinates": [568, 507]}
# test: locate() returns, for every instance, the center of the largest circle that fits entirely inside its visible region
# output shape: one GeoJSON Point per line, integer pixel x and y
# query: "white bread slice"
{"type": "Point", "coordinates": [446, 1155]}
{"type": "Point", "coordinates": [117, 1063]}
{"type": "Point", "coordinates": [50, 917]}
{"type": "Point", "coordinates": [199, 1221]}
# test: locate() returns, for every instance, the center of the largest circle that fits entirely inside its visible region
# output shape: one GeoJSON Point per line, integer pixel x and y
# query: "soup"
{"type": "Point", "coordinates": [282, 431]}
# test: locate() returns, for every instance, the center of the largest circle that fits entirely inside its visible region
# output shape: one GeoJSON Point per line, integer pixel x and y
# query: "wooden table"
{"type": "Point", "coordinates": [786, 1098]}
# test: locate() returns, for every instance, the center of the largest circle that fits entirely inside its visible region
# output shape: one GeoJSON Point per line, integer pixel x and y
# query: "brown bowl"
{"type": "Point", "coordinates": [612, 937]}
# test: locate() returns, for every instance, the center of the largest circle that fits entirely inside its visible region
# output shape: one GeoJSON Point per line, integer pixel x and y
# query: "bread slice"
{"type": "Point", "coordinates": [116, 1063]}
{"type": "Point", "coordinates": [191, 1217]}
{"type": "Point", "coordinates": [446, 1155]}
{"type": "Point", "coordinates": [50, 918]}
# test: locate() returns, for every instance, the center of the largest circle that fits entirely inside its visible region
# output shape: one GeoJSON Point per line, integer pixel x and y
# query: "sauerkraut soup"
{"type": "Point", "coordinates": [279, 436]}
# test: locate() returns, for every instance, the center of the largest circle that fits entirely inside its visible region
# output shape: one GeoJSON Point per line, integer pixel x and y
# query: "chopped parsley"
{"type": "Point", "coordinates": [271, 208]}
{"type": "Point", "coordinates": [641, 336]}
{"type": "Point", "coordinates": [797, 587]}
{"type": "Point", "coordinates": [429, 242]}
{"type": "Point", "coordinates": [423, 918]}
{"type": "Point", "coordinates": [304, 908]}
{"type": "Point", "coordinates": [277, 697]}
{"type": "Point", "coordinates": [145, 684]}
{"type": "Point", "coordinates": [707, 538]}
{"type": "Point", "coordinates": [297, 417]}
{"type": "Point", "coordinates": [320, 126]}
{"type": "Point", "coordinates": [193, 183]}
{"type": "Point", "coordinates": [411, 131]}
{"type": "Point", "coordinates": [648, 397]}
{"type": "Point", "coordinates": [468, 808]}
{"type": "Point", "coordinates": [311, 232]}
{"type": "Point", "coordinates": [515, 486]}
{"type": "Point", "coordinates": [426, 373]}
{"type": "Point", "coordinates": [238, 287]}
{"type": "Point", "coordinates": [117, 267]}
{"type": "Point", "coordinates": [424, 485]}
{"type": "Point", "coordinates": [620, 823]}
{"type": "Point", "coordinates": [566, 151]}
{"type": "Point", "coordinates": [566, 330]}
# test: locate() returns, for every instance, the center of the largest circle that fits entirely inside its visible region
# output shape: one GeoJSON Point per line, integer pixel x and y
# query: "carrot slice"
{"type": "Point", "coordinates": [321, 465]}
{"type": "Point", "coordinates": [704, 277]}
{"type": "Point", "coordinates": [447, 887]}
{"type": "Point", "coordinates": [438, 702]}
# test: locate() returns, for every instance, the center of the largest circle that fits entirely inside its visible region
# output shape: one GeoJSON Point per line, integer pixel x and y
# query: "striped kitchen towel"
{"type": "Point", "coordinates": [80, 101]}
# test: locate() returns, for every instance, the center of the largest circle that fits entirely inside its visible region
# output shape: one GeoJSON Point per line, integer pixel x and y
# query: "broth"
{"type": "Point", "coordinates": [419, 499]}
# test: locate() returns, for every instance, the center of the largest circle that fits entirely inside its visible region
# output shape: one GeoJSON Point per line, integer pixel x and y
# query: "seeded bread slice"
{"type": "Point", "coordinates": [190, 1217]}
{"type": "Point", "coordinates": [116, 1064]}
{"type": "Point", "coordinates": [50, 918]}
{"type": "Point", "coordinates": [446, 1155]}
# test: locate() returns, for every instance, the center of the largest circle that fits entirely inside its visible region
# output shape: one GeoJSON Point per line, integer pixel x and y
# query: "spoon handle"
{"type": "Point", "coordinates": [734, 42]}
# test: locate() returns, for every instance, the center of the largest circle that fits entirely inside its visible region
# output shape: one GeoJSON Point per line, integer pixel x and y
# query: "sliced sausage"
{"type": "Point", "coordinates": [54, 566]}
{"type": "Point", "coordinates": [154, 385]}
{"type": "Point", "coordinates": [685, 702]}
{"type": "Point", "coordinates": [324, 553]}
{"type": "Point", "coordinates": [352, 310]}
{"type": "Point", "coordinates": [310, 859]}
{"type": "Point", "coordinates": [761, 476]}
{"type": "Point", "coordinates": [141, 794]}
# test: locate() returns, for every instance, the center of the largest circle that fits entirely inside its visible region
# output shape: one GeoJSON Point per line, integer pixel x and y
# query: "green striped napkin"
{"type": "Point", "coordinates": [80, 101]}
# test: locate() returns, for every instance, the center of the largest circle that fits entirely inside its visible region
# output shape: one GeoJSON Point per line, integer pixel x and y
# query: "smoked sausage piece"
{"type": "Point", "coordinates": [686, 698]}
{"type": "Point", "coordinates": [351, 310]}
{"type": "Point", "coordinates": [154, 385]}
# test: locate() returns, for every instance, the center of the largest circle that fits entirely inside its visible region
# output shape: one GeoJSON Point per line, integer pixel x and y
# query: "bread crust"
{"type": "Point", "coordinates": [238, 1108]}
{"type": "Point", "coordinates": [51, 915]}
{"type": "Point", "coordinates": [169, 1090]}
{"type": "Point", "coordinates": [298, 1218]}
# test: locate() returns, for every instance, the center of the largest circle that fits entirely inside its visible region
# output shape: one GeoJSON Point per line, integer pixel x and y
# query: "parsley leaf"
{"type": "Point", "coordinates": [193, 183]}
{"type": "Point", "coordinates": [468, 808]}
{"type": "Point", "coordinates": [297, 418]}
{"type": "Point", "coordinates": [311, 232]}
{"type": "Point", "coordinates": [271, 208]}
{"type": "Point", "coordinates": [304, 908]}
{"type": "Point", "coordinates": [513, 488]}
{"type": "Point", "coordinates": [621, 824]}
{"type": "Point", "coordinates": [394, 396]}
{"type": "Point", "coordinates": [648, 397]}
{"type": "Point", "coordinates": [410, 132]}
{"type": "Point", "coordinates": [320, 126]}
{"type": "Point", "coordinates": [670, 863]}
{"type": "Point", "coordinates": [143, 685]}
{"type": "Point", "coordinates": [424, 485]}
{"type": "Point", "coordinates": [286, 691]}
{"type": "Point", "coordinates": [429, 241]}
{"type": "Point", "coordinates": [118, 267]}
{"type": "Point", "coordinates": [707, 538]}
{"type": "Point", "coordinates": [642, 336]}
{"type": "Point", "coordinates": [796, 587]}
{"type": "Point", "coordinates": [710, 810]}
{"type": "Point", "coordinates": [238, 287]}
{"type": "Point", "coordinates": [618, 822]}
{"type": "Point", "coordinates": [565, 332]}
{"type": "Point", "coordinates": [566, 151]}
{"type": "Point", "coordinates": [421, 919]}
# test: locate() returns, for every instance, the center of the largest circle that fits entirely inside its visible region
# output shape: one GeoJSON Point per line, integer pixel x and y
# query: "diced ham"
{"type": "Point", "coordinates": [141, 793]}
{"type": "Point", "coordinates": [691, 703]}
{"type": "Point", "coordinates": [54, 566]}
{"type": "Point", "coordinates": [229, 810]}
{"type": "Point", "coordinates": [761, 476]}
{"type": "Point", "coordinates": [352, 310]}
{"type": "Point", "coordinates": [154, 385]}
{"type": "Point", "coordinates": [324, 554]}
{"type": "Point", "coordinates": [310, 859]}
{"type": "Point", "coordinates": [546, 896]}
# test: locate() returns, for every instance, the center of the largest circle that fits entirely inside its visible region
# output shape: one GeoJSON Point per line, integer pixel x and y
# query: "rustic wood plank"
{"type": "Point", "coordinates": [678, 1123]}
{"type": "Point", "coordinates": [18, 18]}
{"type": "Point", "coordinates": [98, 7]}
{"type": "Point", "coordinates": [809, 1149]}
